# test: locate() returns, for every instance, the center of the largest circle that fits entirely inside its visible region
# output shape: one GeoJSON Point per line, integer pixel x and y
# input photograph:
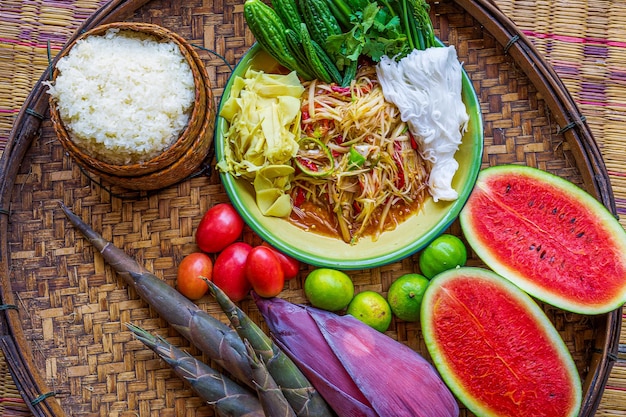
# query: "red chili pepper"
{"type": "Point", "coordinates": [320, 128]}
{"type": "Point", "coordinates": [400, 183]}
{"type": "Point", "coordinates": [414, 144]}
{"type": "Point", "coordinates": [342, 91]}
{"type": "Point", "coordinates": [366, 88]}
{"type": "Point", "coordinates": [308, 164]}
{"type": "Point", "coordinates": [299, 197]}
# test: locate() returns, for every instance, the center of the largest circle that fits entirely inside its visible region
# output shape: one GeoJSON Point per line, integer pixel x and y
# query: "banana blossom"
{"type": "Point", "coordinates": [358, 370]}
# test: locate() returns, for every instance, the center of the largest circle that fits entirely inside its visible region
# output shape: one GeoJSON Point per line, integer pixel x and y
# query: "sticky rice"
{"type": "Point", "coordinates": [122, 97]}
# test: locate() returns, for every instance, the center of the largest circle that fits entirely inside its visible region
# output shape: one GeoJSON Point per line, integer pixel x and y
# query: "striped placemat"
{"type": "Point", "coordinates": [584, 41]}
{"type": "Point", "coordinates": [30, 31]}
{"type": "Point", "coordinates": [586, 44]}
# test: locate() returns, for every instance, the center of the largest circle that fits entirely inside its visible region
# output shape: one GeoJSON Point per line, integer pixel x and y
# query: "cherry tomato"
{"type": "Point", "coordinates": [220, 226]}
{"type": "Point", "coordinates": [291, 266]}
{"type": "Point", "coordinates": [229, 271]}
{"type": "Point", "coordinates": [264, 272]}
{"type": "Point", "coordinates": [191, 273]}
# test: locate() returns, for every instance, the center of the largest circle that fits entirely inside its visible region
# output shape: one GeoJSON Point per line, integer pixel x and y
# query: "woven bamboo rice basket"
{"type": "Point", "coordinates": [63, 315]}
{"type": "Point", "coordinates": [181, 159]}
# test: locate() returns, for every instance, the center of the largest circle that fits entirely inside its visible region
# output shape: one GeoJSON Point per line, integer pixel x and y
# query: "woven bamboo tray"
{"type": "Point", "coordinates": [63, 310]}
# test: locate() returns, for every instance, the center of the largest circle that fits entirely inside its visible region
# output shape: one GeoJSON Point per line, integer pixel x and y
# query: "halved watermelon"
{"type": "Point", "coordinates": [549, 237]}
{"type": "Point", "coordinates": [496, 349]}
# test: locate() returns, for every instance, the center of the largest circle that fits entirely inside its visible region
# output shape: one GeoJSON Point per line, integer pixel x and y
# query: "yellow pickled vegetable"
{"type": "Point", "coordinates": [263, 112]}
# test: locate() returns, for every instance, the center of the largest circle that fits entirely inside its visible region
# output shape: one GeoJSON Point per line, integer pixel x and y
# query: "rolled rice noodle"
{"type": "Point", "coordinates": [426, 87]}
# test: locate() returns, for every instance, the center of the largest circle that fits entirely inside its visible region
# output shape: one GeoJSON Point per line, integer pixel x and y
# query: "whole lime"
{"type": "Point", "coordinates": [405, 296]}
{"type": "Point", "coordinates": [372, 309]}
{"type": "Point", "coordinates": [445, 252]}
{"type": "Point", "coordinates": [328, 289]}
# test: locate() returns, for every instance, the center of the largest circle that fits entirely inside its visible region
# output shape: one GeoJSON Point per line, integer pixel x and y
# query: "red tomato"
{"type": "Point", "coordinates": [291, 266]}
{"type": "Point", "coordinates": [229, 271]}
{"type": "Point", "coordinates": [264, 272]}
{"type": "Point", "coordinates": [191, 271]}
{"type": "Point", "coordinates": [220, 226]}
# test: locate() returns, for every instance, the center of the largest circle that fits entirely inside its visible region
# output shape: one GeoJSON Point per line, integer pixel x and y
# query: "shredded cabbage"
{"type": "Point", "coordinates": [426, 87]}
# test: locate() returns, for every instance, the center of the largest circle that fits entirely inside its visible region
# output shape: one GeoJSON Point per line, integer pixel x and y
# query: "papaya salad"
{"type": "Point", "coordinates": [358, 168]}
{"type": "Point", "coordinates": [348, 149]}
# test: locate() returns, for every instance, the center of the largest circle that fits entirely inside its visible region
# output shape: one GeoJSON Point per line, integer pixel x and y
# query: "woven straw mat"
{"type": "Point", "coordinates": [584, 41]}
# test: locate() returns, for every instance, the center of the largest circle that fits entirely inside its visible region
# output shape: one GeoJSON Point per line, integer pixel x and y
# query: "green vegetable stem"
{"type": "Point", "coordinates": [417, 23]}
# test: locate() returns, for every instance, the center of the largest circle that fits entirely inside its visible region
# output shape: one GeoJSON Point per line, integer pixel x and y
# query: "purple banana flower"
{"type": "Point", "coordinates": [358, 370]}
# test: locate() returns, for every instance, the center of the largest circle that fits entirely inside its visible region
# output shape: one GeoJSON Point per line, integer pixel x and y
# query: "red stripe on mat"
{"type": "Point", "coordinates": [11, 400]}
{"type": "Point", "coordinates": [574, 39]}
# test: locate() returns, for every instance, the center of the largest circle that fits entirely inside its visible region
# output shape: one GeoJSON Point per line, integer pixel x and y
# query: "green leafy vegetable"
{"type": "Point", "coordinates": [376, 31]}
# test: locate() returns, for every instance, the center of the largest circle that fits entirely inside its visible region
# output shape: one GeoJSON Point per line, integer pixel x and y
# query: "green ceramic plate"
{"type": "Point", "coordinates": [411, 236]}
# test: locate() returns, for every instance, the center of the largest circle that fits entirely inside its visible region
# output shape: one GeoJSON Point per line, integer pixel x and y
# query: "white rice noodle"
{"type": "Point", "coordinates": [426, 87]}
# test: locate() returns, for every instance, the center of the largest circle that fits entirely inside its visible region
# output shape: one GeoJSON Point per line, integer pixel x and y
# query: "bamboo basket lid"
{"type": "Point", "coordinates": [63, 327]}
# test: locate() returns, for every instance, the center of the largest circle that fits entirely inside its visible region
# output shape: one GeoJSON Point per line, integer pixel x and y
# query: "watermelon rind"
{"type": "Point", "coordinates": [584, 270]}
{"type": "Point", "coordinates": [448, 344]}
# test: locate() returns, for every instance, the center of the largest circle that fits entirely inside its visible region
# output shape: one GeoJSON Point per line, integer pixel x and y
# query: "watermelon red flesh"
{"type": "Point", "coordinates": [496, 349]}
{"type": "Point", "coordinates": [548, 237]}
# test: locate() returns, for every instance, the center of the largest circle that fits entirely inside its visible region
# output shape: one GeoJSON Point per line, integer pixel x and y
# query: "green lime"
{"type": "Point", "coordinates": [372, 309]}
{"type": "Point", "coordinates": [443, 253]}
{"type": "Point", "coordinates": [314, 158]}
{"type": "Point", "coordinates": [405, 296]}
{"type": "Point", "coordinates": [328, 289]}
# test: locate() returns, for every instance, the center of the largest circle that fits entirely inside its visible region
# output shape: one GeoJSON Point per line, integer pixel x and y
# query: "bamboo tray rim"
{"type": "Point", "coordinates": [15, 346]}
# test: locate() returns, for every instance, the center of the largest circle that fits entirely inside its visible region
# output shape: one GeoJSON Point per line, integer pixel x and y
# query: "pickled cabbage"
{"type": "Point", "coordinates": [263, 112]}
